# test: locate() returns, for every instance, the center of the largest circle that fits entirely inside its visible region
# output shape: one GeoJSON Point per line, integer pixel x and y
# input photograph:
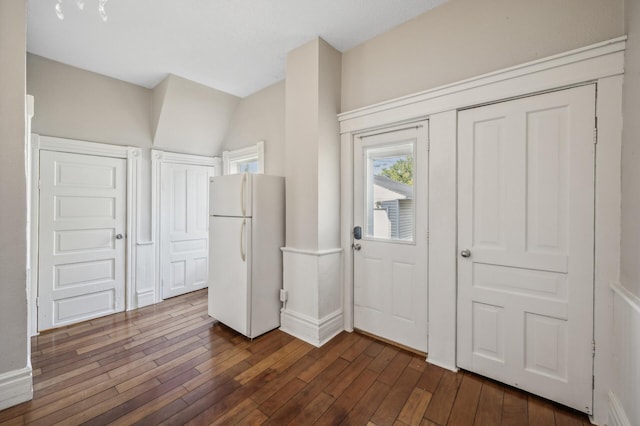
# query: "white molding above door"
{"type": "Point", "coordinates": [132, 155]}
{"type": "Point", "coordinates": [159, 157]}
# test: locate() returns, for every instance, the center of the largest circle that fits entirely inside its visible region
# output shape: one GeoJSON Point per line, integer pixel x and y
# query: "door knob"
{"type": "Point", "coordinates": [465, 253]}
{"type": "Point", "coordinates": [119, 237]}
{"type": "Point", "coordinates": [356, 247]}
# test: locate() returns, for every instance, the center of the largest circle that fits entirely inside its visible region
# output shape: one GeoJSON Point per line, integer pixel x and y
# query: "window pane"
{"type": "Point", "coordinates": [244, 166]}
{"type": "Point", "coordinates": [390, 192]}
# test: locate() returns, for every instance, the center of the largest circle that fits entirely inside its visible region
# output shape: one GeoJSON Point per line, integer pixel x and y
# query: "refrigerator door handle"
{"type": "Point", "coordinates": [242, 194]}
{"type": "Point", "coordinates": [243, 255]}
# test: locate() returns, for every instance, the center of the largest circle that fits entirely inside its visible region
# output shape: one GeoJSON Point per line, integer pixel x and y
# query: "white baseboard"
{"type": "Point", "coordinates": [617, 415]}
{"type": "Point", "coordinates": [311, 330]}
{"type": "Point", "coordinates": [15, 387]}
{"type": "Point", "coordinates": [442, 364]}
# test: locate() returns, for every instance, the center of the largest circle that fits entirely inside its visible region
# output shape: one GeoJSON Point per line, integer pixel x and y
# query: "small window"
{"type": "Point", "coordinates": [389, 200]}
{"type": "Point", "coordinates": [244, 160]}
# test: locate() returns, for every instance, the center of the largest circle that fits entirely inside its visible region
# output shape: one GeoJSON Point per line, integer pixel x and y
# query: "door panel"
{"type": "Point", "coordinates": [185, 236]}
{"type": "Point", "coordinates": [81, 260]}
{"type": "Point", "coordinates": [390, 268]}
{"type": "Point", "coordinates": [525, 213]}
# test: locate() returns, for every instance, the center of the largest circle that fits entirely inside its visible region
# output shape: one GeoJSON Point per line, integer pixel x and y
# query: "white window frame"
{"type": "Point", "coordinates": [248, 153]}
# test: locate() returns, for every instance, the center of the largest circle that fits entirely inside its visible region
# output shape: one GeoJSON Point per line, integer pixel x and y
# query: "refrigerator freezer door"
{"type": "Point", "coordinates": [230, 195]}
{"type": "Point", "coordinates": [229, 283]}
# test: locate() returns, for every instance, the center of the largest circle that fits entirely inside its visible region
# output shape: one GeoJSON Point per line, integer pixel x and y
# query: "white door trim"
{"type": "Point", "coordinates": [132, 155]}
{"type": "Point", "coordinates": [602, 64]}
{"type": "Point", "coordinates": [159, 157]}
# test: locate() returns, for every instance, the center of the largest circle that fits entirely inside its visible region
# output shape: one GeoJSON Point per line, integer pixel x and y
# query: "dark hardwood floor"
{"type": "Point", "coordinates": [170, 364]}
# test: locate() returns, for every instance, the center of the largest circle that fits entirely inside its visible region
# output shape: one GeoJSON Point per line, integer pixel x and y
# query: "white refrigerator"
{"type": "Point", "coordinates": [246, 232]}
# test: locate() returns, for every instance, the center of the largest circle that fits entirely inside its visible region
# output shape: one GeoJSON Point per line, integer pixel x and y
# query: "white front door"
{"type": "Point", "coordinates": [82, 226]}
{"type": "Point", "coordinates": [526, 243]}
{"type": "Point", "coordinates": [390, 260]}
{"type": "Point", "coordinates": [185, 223]}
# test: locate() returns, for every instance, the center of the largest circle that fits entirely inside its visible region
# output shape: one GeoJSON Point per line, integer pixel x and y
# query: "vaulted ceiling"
{"type": "Point", "coordinates": [237, 46]}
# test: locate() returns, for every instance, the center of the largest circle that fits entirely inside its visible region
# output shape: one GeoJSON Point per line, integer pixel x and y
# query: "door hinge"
{"type": "Point", "coordinates": [428, 145]}
{"type": "Point", "coordinates": [595, 135]}
{"type": "Point", "coordinates": [593, 382]}
{"type": "Point", "coordinates": [37, 301]}
{"type": "Point", "coordinates": [593, 348]}
{"type": "Point", "coordinates": [39, 183]}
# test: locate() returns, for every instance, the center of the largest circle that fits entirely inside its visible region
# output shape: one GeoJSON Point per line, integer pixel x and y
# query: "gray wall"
{"type": "Point", "coordinates": [631, 154]}
{"type": "Point", "coordinates": [13, 244]}
{"type": "Point", "coordinates": [78, 104]}
{"type": "Point", "coordinates": [260, 117]}
{"type": "Point", "coordinates": [193, 118]}
{"type": "Point", "coordinates": [466, 38]}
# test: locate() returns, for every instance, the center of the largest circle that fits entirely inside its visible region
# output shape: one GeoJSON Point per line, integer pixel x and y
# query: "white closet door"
{"type": "Point", "coordinates": [185, 223]}
{"type": "Point", "coordinates": [526, 243]}
{"type": "Point", "coordinates": [81, 238]}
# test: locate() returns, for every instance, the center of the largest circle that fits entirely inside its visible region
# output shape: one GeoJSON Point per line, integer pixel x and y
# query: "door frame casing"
{"type": "Point", "coordinates": [158, 158]}
{"type": "Point", "coordinates": [132, 156]}
{"type": "Point", "coordinates": [602, 64]}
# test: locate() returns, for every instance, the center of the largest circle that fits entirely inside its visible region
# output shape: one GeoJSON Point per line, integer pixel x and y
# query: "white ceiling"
{"type": "Point", "coordinates": [237, 46]}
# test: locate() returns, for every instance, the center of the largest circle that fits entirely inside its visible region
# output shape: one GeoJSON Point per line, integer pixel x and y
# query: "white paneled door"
{"type": "Point", "coordinates": [82, 226]}
{"type": "Point", "coordinates": [526, 243]}
{"type": "Point", "coordinates": [185, 224]}
{"type": "Point", "coordinates": [390, 258]}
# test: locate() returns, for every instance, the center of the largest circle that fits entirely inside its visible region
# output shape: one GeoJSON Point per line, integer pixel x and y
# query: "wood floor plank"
{"type": "Point", "coordinates": [368, 404]}
{"type": "Point", "coordinates": [490, 404]}
{"type": "Point", "coordinates": [466, 402]}
{"type": "Point", "coordinates": [415, 407]}
{"type": "Point", "coordinates": [430, 378]}
{"type": "Point", "coordinates": [299, 401]}
{"type": "Point", "coordinates": [361, 343]}
{"type": "Point", "coordinates": [383, 359]}
{"type": "Point", "coordinates": [172, 364]}
{"type": "Point", "coordinates": [255, 418]}
{"type": "Point", "coordinates": [267, 362]}
{"type": "Point", "coordinates": [540, 412]}
{"type": "Point", "coordinates": [238, 413]}
{"type": "Point", "coordinates": [566, 418]}
{"type": "Point", "coordinates": [443, 398]}
{"type": "Point", "coordinates": [196, 407]}
{"type": "Point", "coordinates": [162, 413]}
{"type": "Point", "coordinates": [397, 397]}
{"type": "Point", "coordinates": [343, 381]}
{"type": "Point", "coordinates": [514, 408]}
{"type": "Point", "coordinates": [313, 410]}
{"type": "Point", "coordinates": [341, 406]}
{"type": "Point", "coordinates": [277, 400]}
{"type": "Point", "coordinates": [394, 369]}
{"type": "Point", "coordinates": [273, 386]}
{"type": "Point", "coordinates": [324, 361]}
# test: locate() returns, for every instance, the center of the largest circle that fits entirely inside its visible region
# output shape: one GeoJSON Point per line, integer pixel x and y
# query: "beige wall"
{"type": "Point", "coordinates": [193, 118]}
{"type": "Point", "coordinates": [626, 335]}
{"type": "Point", "coordinates": [78, 104]}
{"type": "Point", "coordinates": [631, 154]}
{"type": "Point", "coordinates": [465, 38]}
{"type": "Point", "coordinates": [13, 248]}
{"type": "Point", "coordinates": [330, 63]}
{"type": "Point", "coordinates": [260, 117]}
{"type": "Point", "coordinates": [301, 146]}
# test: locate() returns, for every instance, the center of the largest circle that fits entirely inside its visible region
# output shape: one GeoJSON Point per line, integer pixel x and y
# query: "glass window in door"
{"type": "Point", "coordinates": [389, 199]}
